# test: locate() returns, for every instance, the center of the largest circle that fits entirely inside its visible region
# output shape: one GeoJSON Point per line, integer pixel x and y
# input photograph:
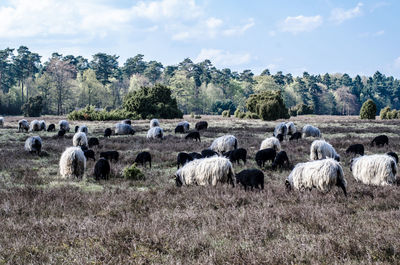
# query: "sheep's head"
{"type": "Point", "coordinates": [288, 186]}
{"type": "Point", "coordinates": [178, 180]}
{"type": "Point", "coordinates": [337, 158]}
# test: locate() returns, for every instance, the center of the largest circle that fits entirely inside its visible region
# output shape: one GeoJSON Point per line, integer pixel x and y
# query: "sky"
{"type": "Point", "coordinates": [318, 36]}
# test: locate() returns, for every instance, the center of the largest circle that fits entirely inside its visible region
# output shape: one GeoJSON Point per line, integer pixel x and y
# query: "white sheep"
{"type": "Point", "coordinates": [379, 170]}
{"type": "Point", "coordinates": [309, 130]}
{"type": "Point", "coordinates": [155, 132]}
{"type": "Point", "coordinates": [72, 163]}
{"type": "Point", "coordinates": [321, 150]}
{"type": "Point", "coordinates": [271, 142]}
{"type": "Point", "coordinates": [224, 144]}
{"type": "Point", "coordinates": [64, 125]}
{"type": "Point", "coordinates": [291, 128]}
{"type": "Point", "coordinates": [319, 174]}
{"type": "Point", "coordinates": [154, 123]}
{"type": "Point", "coordinates": [33, 144]}
{"type": "Point", "coordinates": [123, 129]}
{"type": "Point", "coordinates": [84, 129]}
{"type": "Point", "coordinates": [42, 125]}
{"type": "Point", "coordinates": [34, 126]}
{"type": "Point", "coordinates": [185, 125]}
{"type": "Point", "coordinates": [1, 121]}
{"type": "Point", "coordinates": [206, 171]}
{"type": "Point", "coordinates": [23, 125]}
{"type": "Point", "coordinates": [280, 129]}
{"type": "Point", "coordinates": [80, 139]}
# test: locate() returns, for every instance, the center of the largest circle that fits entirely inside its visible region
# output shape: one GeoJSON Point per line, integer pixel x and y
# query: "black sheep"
{"type": "Point", "coordinates": [251, 177]}
{"type": "Point", "coordinates": [394, 155]}
{"type": "Point", "coordinates": [265, 155]}
{"type": "Point", "coordinates": [280, 137]}
{"type": "Point", "coordinates": [107, 132]}
{"type": "Point", "coordinates": [76, 128]}
{"type": "Point", "coordinates": [51, 128]}
{"type": "Point", "coordinates": [89, 154]}
{"type": "Point", "coordinates": [295, 136]}
{"type": "Point", "coordinates": [102, 169]}
{"type": "Point", "coordinates": [193, 135]}
{"type": "Point", "coordinates": [237, 155]}
{"type": "Point", "coordinates": [143, 157]}
{"type": "Point", "coordinates": [93, 141]}
{"type": "Point", "coordinates": [110, 155]}
{"type": "Point", "coordinates": [183, 158]}
{"type": "Point", "coordinates": [179, 129]}
{"type": "Point", "coordinates": [380, 140]}
{"type": "Point", "coordinates": [61, 133]}
{"type": "Point", "coordinates": [356, 149]}
{"type": "Point", "coordinates": [208, 153]}
{"type": "Point", "coordinates": [195, 155]}
{"type": "Point", "coordinates": [201, 125]}
{"type": "Point", "coordinates": [280, 160]}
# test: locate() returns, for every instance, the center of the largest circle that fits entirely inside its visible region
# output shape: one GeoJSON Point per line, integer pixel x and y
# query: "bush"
{"type": "Point", "coordinates": [237, 113]}
{"type": "Point", "coordinates": [192, 115]}
{"type": "Point", "coordinates": [268, 105]}
{"type": "Point", "coordinates": [197, 117]}
{"type": "Point", "coordinates": [226, 113]}
{"type": "Point", "coordinates": [384, 113]}
{"type": "Point", "coordinates": [392, 114]}
{"type": "Point", "coordinates": [368, 110]}
{"type": "Point", "coordinates": [220, 106]}
{"type": "Point", "coordinates": [90, 113]}
{"type": "Point", "coordinates": [33, 108]}
{"type": "Point", "coordinates": [133, 173]}
{"type": "Point", "coordinates": [304, 109]}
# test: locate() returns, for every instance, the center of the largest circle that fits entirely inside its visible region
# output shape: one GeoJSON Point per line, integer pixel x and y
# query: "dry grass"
{"type": "Point", "coordinates": [48, 220]}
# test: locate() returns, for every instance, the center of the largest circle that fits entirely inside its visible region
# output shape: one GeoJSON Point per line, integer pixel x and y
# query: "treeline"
{"type": "Point", "coordinates": [65, 83]}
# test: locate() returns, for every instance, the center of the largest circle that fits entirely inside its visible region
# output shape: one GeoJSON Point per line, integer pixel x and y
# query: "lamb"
{"type": "Point", "coordinates": [321, 150]}
{"type": "Point", "coordinates": [33, 144]}
{"type": "Point", "coordinates": [127, 121]}
{"type": "Point", "coordinates": [42, 125]}
{"type": "Point", "coordinates": [271, 142]}
{"type": "Point", "coordinates": [154, 123]}
{"type": "Point", "coordinates": [208, 153]}
{"type": "Point", "coordinates": [1, 122]}
{"type": "Point", "coordinates": [51, 128]}
{"type": "Point", "coordinates": [206, 171]}
{"type": "Point", "coordinates": [23, 125]}
{"type": "Point", "coordinates": [63, 125]}
{"type": "Point", "coordinates": [107, 132]}
{"type": "Point", "coordinates": [193, 135]}
{"type": "Point", "coordinates": [102, 169]}
{"type": "Point", "coordinates": [251, 177]}
{"type": "Point", "coordinates": [296, 136]}
{"type": "Point", "coordinates": [280, 129]}
{"type": "Point", "coordinates": [185, 125]}
{"type": "Point", "coordinates": [280, 160]}
{"type": "Point", "coordinates": [93, 141]}
{"type": "Point", "coordinates": [110, 155]}
{"type": "Point", "coordinates": [72, 163]}
{"type": "Point", "coordinates": [291, 128]}
{"type": "Point", "coordinates": [84, 129]}
{"type": "Point", "coordinates": [61, 133]}
{"type": "Point", "coordinates": [319, 174]}
{"type": "Point", "coordinates": [379, 170]}
{"type": "Point", "coordinates": [265, 155]}
{"type": "Point", "coordinates": [394, 155]}
{"type": "Point", "coordinates": [34, 126]}
{"type": "Point", "coordinates": [195, 155]}
{"type": "Point", "coordinates": [89, 153]}
{"type": "Point", "coordinates": [155, 132]}
{"type": "Point", "coordinates": [224, 143]}
{"type": "Point", "coordinates": [236, 155]}
{"type": "Point", "coordinates": [179, 129]}
{"type": "Point", "coordinates": [311, 131]}
{"type": "Point", "coordinates": [201, 125]}
{"type": "Point", "coordinates": [380, 140]}
{"type": "Point", "coordinates": [79, 139]}
{"type": "Point", "coordinates": [183, 158]}
{"type": "Point", "coordinates": [356, 149]}
{"type": "Point", "coordinates": [143, 157]}
{"type": "Point", "coordinates": [124, 129]}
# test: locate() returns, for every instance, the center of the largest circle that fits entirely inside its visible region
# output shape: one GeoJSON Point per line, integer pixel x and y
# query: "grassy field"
{"type": "Point", "coordinates": [46, 220]}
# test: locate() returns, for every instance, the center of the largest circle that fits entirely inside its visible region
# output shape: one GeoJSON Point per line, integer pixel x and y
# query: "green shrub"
{"type": "Point", "coordinates": [304, 109]}
{"type": "Point", "coordinates": [384, 113]}
{"type": "Point", "coordinates": [226, 113]}
{"type": "Point", "coordinates": [197, 117]}
{"type": "Point", "coordinates": [237, 113]}
{"type": "Point", "coordinates": [33, 108]}
{"type": "Point", "coordinates": [192, 115]}
{"type": "Point", "coordinates": [268, 105]}
{"type": "Point", "coordinates": [368, 110]}
{"type": "Point", "coordinates": [133, 173]}
{"type": "Point", "coordinates": [250, 115]}
{"type": "Point", "coordinates": [392, 114]}
{"type": "Point", "coordinates": [89, 113]}
{"type": "Point", "coordinates": [242, 115]}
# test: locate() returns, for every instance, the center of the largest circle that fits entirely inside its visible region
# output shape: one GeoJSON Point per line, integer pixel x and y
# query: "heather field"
{"type": "Point", "coordinates": [47, 220]}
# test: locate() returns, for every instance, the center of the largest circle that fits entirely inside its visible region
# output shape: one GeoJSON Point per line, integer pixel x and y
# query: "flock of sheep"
{"type": "Point", "coordinates": [215, 164]}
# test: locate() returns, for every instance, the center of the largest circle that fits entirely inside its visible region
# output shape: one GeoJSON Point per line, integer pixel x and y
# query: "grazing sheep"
{"type": "Point", "coordinates": [206, 171]}
{"type": "Point", "coordinates": [76, 128]}
{"type": "Point", "coordinates": [84, 129]}
{"type": "Point", "coordinates": [1, 121]}
{"type": "Point", "coordinates": [155, 132]}
{"type": "Point", "coordinates": [61, 133]}
{"type": "Point", "coordinates": [34, 126]}
{"type": "Point", "coordinates": [143, 157]}
{"type": "Point", "coordinates": [291, 128]}
{"type": "Point", "coordinates": [319, 174]}
{"type": "Point", "coordinates": [42, 125]}
{"type": "Point", "coordinates": [296, 136]}
{"type": "Point", "coordinates": [280, 160]}
{"type": "Point", "coordinates": [321, 150]}
{"type": "Point", "coordinates": [102, 169]}
{"type": "Point", "coordinates": [193, 135]}
{"type": "Point", "coordinates": [185, 125]}
{"type": "Point", "coordinates": [251, 177]}
{"type": "Point", "coordinates": [183, 158]}
{"type": "Point", "coordinates": [179, 129]}
{"type": "Point", "coordinates": [51, 128]}
{"type": "Point", "coordinates": [93, 141]}
{"type": "Point", "coordinates": [127, 121]}
{"type": "Point", "coordinates": [107, 132]}
{"type": "Point", "coordinates": [201, 125]}
{"type": "Point", "coordinates": [110, 155]}
{"type": "Point", "coordinates": [89, 153]}
{"type": "Point", "coordinates": [224, 144]}
{"type": "Point", "coordinates": [271, 142]}
{"type": "Point", "coordinates": [72, 163]}
{"type": "Point", "coordinates": [208, 153]}
{"type": "Point", "coordinates": [33, 144]}
{"type": "Point", "coordinates": [394, 155]}
{"type": "Point", "coordinates": [64, 125]}
{"type": "Point", "coordinates": [279, 137]}
{"type": "Point", "coordinates": [280, 129]}
{"type": "Point", "coordinates": [379, 170]}
{"type": "Point", "coordinates": [123, 129]}
{"type": "Point", "coordinates": [311, 131]}
{"type": "Point", "coordinates": [195, 155]}
{"type": "Point", "coordinates": [236, 155]}
{"type": "Point", "coordinates": [380, 140]}
{"type": "Point", "coordinates": [265, 155]}
{"type": "Point", "coordinates": [355, 149]}
{"type": "Point", "coordinates": [79, 139]}
{"type": "Point", "coordinates": [154, 123]}
{"type": "Point", "coordinates": [23, 125]}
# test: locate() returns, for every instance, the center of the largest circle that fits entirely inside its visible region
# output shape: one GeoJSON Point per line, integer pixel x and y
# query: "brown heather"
{"type": "Point", "coordinates": [45, 220]}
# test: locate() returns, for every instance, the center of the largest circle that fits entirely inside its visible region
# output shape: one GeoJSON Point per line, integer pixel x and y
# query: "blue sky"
{"type": "Point", "coordinates": [319, 36]}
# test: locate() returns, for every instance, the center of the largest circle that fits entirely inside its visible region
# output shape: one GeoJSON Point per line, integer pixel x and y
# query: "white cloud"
{"type": "Point", "coordinates": [339, 15]}
{"type": "Point", "coordinates": [301, 24]}
{"type": "Point", "coordinates": [379, 33]}
{"type": "Point", "coordinates": [372, 34]}
{"type": "Point", "coordinates": [223, 58]}
{"type": "Point", "coordinates": [181, 36]}
{"type": "Point", "coordinates": [213, 23]}
{"type": "Point", "coordinates": [397, 63]}
{"type": "Point", "coordinates": [234, 31]}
